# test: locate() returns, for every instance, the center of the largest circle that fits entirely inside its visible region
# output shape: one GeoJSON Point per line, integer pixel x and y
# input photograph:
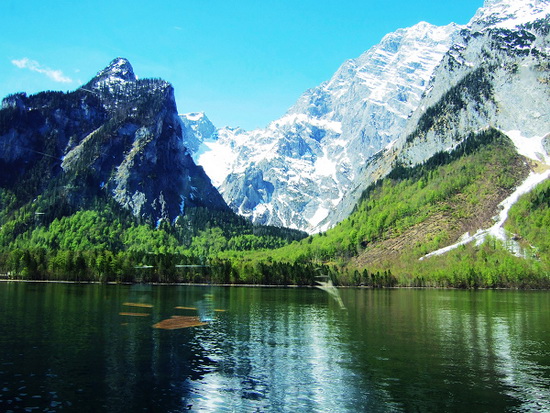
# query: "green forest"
{"type": "Point", "coordinates": [398, 220]}
{"type": "Point", "coordinates": [414, 211]}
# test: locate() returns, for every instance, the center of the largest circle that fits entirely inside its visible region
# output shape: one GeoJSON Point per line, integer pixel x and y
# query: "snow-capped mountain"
{"type": "Point", "coordinates": [301, 166]}
{"type": "Point", "coordinates": [308, 168]}
{"type": "Point", "coordinates": [496, 75]}
{"type": "Point", "coordinates": [508, 14]}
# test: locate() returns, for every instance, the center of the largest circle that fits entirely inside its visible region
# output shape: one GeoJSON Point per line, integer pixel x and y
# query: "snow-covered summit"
{"type": "Point", "coordinates": [306, 169]}
{"type": "Point", "coordinates": [495, 76]}
{"type": "Point", "coordinates": [194, 116]}
{"type": "Point", "coordinates": [118, 72]}
{"type": "Point", "coordinates": [198, 125]}
{"type": "Point", "coordinates": [394, 72]}
{"type": "Point", "coordinates": [508, 14]}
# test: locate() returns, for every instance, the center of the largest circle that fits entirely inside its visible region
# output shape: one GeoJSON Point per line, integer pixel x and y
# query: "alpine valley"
{"type": "Point", "coordinates": [423, 162]}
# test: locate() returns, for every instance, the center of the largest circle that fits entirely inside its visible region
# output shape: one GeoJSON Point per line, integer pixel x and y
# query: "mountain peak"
{"type": "Point", "coordinates": [194, 116]}
{"type": "Point", "coordinates": [119, 71]}
{"type": "Point", "coordinates": [509, 14]}
{"type": "Point", "coordinates": [427, 30]}
{"type": "Point", "coordinates": [196, 129]}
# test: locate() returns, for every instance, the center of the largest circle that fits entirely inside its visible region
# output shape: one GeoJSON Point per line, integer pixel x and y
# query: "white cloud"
{"type": "Point", "coordinates": [55, 75]}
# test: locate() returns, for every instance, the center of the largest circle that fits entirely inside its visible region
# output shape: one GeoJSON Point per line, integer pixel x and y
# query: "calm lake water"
{"type": "Point", "coordinates": [67, 347]}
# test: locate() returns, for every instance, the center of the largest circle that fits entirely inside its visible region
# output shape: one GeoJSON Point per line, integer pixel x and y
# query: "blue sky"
{"type": "Point", "coordinates": [243, 62]}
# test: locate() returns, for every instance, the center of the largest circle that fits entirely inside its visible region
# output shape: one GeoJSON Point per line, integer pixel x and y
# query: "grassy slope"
{"type": "Point", "coordinates": [530, 218]}
{"type": "Point", "coordinates": [419, 210]}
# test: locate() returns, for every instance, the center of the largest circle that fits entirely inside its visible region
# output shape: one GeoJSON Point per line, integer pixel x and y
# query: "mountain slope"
{"type": "Point", "coordinates": [493, 78]}
{"type": "Point", "coordinates": [421, 90]}
{"type": "Point", "coordinates": [97, 184]}
{"type": "Point", "coordinates": [117, 137]}
{"type": "Point", "coordinates": [299, 168]}
{"type": "Point", "coordinates": [415, 210]}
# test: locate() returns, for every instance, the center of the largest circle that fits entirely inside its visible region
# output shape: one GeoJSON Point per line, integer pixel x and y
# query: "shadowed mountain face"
{"type": "Point", "coordinates": [116, 137]}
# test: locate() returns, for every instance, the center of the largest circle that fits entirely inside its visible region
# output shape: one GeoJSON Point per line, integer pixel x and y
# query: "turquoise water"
{"type": "Point", "coordinates": [68, 347]}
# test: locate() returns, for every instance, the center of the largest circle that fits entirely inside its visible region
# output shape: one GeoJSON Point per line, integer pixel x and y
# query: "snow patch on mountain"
{"type": "Point", "coordinates": [319, 216]}
{"type": "Point", "coordinates": [300, 118]}
{"type": "Point", "coordinates": [219, 159]}
{"type": "Point", "coordinates": [497, 231]}
{"type": "Point", "coordinates": [532, 148]}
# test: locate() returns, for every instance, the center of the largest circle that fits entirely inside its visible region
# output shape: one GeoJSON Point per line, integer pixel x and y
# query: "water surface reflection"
{"type": "Point", "coordinates": [68, 348]}
{"type": "Point", "coordinates": [279, 351]}
{"type": "Point", "coordinates": [454, 350]}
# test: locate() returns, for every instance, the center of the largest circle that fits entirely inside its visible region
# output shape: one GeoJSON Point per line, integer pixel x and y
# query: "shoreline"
{"type": "Point", "coordinates": [359, 287]}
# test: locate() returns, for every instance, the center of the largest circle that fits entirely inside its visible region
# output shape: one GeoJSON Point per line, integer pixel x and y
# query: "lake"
{"type": "Point", "coordinates": [94, 348]}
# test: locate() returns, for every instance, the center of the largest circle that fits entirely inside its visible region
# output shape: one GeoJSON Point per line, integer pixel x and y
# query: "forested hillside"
{"type": "Point", "coordinates": [96, 184]}
{"type": "Point", "coordinates": [107, 243]}
{"type": "Point", "coordinates": [398, 220]}
{"type": "Point", "coordinates": [417, 210]}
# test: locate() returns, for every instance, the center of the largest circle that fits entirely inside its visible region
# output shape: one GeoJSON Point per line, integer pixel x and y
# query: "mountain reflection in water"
{"type": "Point", "coordinates": [65, 347]}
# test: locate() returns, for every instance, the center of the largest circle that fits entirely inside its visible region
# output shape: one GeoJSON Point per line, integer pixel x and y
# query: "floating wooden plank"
{"type": "Point", "coordinates": [138, 305]}
{"type": "Point", "coordinates": [135, 314]}
{"type": "Point", "coordinates": [179, 321]}
{"type": "Point", "coordinates": [193, 308]}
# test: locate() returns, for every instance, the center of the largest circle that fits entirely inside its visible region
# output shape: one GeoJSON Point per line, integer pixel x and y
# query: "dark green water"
{"type": "Point", "coordinates": [65, 347]}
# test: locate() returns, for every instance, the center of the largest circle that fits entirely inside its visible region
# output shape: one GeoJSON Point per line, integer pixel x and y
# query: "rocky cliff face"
{"type": "Point", "coordinates": [298, 169]}
{"type": "Point", "coordinates": [117, 134]}
{"type": "Point", "coordinates": [197, 130]}
{"type": "Point", "coordinates": [420, 91]}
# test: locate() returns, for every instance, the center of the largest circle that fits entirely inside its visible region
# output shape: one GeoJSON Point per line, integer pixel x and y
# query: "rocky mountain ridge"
{"type": "Point", "coordinates": [301, 166]}
{"type": "Point", "coordinates": [420, 91]}
{"type": "Point", "coordinates": [116, 136]}
{"type": "Point", "coordinates": [492, 77]}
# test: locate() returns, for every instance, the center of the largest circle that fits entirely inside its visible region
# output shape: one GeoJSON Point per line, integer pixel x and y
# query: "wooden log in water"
{"type": "Point", "coordinates": [178, 321]}
{"type": "Point", "coordinates": [138, 305]}
{"type": "Point", "coordinates": [194, 308]}
{"type": "Point", "coordinates": [134, 314]}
